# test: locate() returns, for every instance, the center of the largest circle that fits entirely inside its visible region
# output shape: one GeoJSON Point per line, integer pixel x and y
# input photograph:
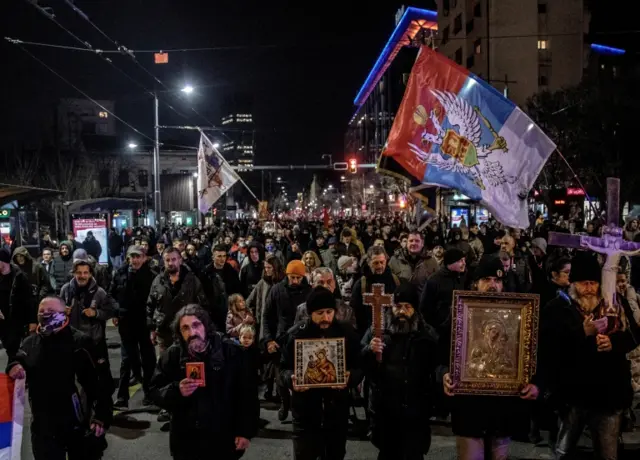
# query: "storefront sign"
{"type": "Point", "coordinates": [575, 192]}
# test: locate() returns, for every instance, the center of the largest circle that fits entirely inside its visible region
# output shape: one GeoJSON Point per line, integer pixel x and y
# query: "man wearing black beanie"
{"type": "Point", "coordinates": [402, 383]}
{"type": "Point", "coordinates": [320, 415]}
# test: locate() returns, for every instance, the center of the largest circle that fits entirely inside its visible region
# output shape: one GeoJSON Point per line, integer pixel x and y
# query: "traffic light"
{"type": "Point", "coordinates": [353, 166]}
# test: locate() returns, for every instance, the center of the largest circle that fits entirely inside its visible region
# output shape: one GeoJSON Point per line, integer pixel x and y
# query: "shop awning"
{"type": "Point", "coordinates": [102, 204]}
{"type": "Point", "coordinates": [12, 192]}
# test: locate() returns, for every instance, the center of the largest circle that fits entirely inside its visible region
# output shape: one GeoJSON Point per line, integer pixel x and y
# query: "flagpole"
{"type": "Point", "coordinates": [575, 176]}
{"type": "Point", "coordinates": [230, 167]}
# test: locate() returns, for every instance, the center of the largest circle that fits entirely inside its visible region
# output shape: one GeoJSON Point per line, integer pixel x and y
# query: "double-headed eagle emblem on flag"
{"type": "Point", "coordinates": [460, 149]}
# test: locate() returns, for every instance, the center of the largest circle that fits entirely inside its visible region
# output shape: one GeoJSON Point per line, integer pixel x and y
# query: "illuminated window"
{"type": "Point", "coordinates": [477, 46]}
{"type": "Point", "coordinates": [103, 114]}
{"type": "Point", "coordinates": [543, 44]}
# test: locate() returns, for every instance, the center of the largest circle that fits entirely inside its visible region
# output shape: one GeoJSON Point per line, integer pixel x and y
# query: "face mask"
{"type": "Point", "coordinates": [51, 322]}
{"type": "Point", "coordinates": [269, 247]}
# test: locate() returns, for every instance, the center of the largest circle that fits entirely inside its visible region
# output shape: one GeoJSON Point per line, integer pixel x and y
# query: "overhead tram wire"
{"type": "Point", "coordinates": [131, 54]}
{"type": "Point", "coordinates": [89, 47]}
{"type": "Point", "coordinates": [61, 77]}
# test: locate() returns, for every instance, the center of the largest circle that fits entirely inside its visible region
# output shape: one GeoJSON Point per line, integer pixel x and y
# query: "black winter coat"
{"type": "Point", "coordinates": [62, 270]}
{"type": "Point", "coordinates": [435, 307]}
{"type": "Point", "coordinates": [571, 366]}
{"type": "Point", "coordinates": [403, 384]}
{"type": "Point", "coordinates": [217, 298]}
{"type": "Point", "coordinates": [321, 404]}
{"type": "Point", "coordinates": [215, 413]}
{"type": "Point", "coordinates": [250, 275]}
{"type": "Point", "coordinates": [230, 278]}
{"type": "Point", "coordinates": [131, 290]}
{"type": "Point", "coordinates": [165, 300]}
{"type": "Point", "coordinates": [363, 312]}
{"type": "Point", "coordinates": [281, 308]}
{"type": "Point", "coordinates": [21, 310]}
{"type": "Point", "coordinates": [52, 365]}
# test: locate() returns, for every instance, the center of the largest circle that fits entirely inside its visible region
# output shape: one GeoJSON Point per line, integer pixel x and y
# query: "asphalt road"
{"type": "Point", "coordinates": [136, 435]}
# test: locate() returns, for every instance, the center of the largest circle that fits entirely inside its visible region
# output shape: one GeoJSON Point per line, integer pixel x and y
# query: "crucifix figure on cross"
{"type": "Point", "coordinates": [378, 300]}
{"type": "Point", "coordinates": [610, 244]}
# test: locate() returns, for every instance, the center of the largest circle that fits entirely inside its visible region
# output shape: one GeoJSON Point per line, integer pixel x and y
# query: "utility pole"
{"type": "Point", "coordinates": [156, 166]}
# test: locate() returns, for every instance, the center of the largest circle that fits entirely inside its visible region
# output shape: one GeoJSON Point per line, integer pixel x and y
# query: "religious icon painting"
{"type": "Point", "coordinates": [320, 363]}
{"type": "Point", "coordinates": [195, 371]}
{"type": "Point", "coordinates": [494, 338]}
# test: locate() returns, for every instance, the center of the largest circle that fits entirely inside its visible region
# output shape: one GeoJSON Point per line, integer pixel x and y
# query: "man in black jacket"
{"type": "Point", "coordinates": [486, 423]}
{"type": "Point", "coordinates": [170, 291]}
{"type": "Point", "coordinates": [252, 269]}
{"type": "Point", "coordinates": [402, 384]}
{"type": "Point", "coordinates": [229, 275]}
{"type": "Point", "coordinates": [36, 273]}
{"type": "Point", "coordinates": [17, 305]}
{"type": "Point", "coordinates": [214, 418]}
{"type": "Point", "coordinates": [53, 359]}
{"type": "Point", "coordinates": [63, 264]}
{"type": "Point", "coordinates": [130, 288]}
{"type": "Point", "coordinates": [583, 348]}
{"type": "Point", "coordinates": [378, 272]}
{"type": "Point", "coordinates": [217, 298]}
{"type": "Point", "coordinates": [320, 415]}
{"type": "Point", "coordinates": [279, 315]}
{"type": "Point", "coordinates": [435, 302]}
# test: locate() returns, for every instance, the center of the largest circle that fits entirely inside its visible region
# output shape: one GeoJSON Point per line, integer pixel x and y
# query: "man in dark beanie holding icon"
{"type": "Point", "coordinates": [484, 424]}
{"type": "Point", "coordinates": [402, 383]}
{"type": "Point", "coordinates": [320, 415]}
{"type": "Point", "coordinates": [582, 351]}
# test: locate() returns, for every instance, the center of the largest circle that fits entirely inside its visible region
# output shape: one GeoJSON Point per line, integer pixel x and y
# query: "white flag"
{"type": "Point", "coordinates": [215, 175]}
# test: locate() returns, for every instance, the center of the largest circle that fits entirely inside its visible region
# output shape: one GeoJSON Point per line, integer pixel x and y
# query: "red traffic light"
{"type": "Point", "coordinates": [353, 166]}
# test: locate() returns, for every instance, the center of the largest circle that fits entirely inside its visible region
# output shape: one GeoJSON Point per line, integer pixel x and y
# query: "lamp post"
{"type": "Point", "coordinates": [157, 209]}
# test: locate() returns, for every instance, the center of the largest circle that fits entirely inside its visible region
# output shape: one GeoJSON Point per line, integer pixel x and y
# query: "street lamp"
{"type": "Point", "coordinates": [371, 186]}
{"type": "Point", "coordinates": [330, 187]}
{"type": "Point", "coordinates": [188, 89]}
{"type": "Point", "coordinates": [132, 145]}
{"type": "Point", "coordinates": [195, 174]}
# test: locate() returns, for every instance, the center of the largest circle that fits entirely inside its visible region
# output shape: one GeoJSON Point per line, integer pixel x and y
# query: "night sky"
{"type": "Point", "coordinates": [301, 62]}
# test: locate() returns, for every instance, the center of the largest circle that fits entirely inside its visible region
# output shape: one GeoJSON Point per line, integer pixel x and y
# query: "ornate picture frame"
{"type": "Point", "coordinates": [494, 339]}
{"type": "Point", "coordinates": [320, 363]}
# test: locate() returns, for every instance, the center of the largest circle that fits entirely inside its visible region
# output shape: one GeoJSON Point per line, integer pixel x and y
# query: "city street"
{"type": "Point", "coordinates": [136, 435]}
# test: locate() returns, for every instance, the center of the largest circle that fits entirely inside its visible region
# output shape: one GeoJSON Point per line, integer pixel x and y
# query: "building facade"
{"type": "Point", "coordinates": [78, 119]}
{"type": "Point", "coordinates": [521, 47]}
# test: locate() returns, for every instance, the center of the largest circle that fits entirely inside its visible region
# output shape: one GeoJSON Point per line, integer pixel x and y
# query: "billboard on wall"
{"type": "Point", "coordinates": [97, 225]}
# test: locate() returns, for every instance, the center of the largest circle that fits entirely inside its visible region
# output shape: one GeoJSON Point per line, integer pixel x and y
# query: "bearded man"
{"type": "Point", "coordinates": [486, 423]}
{"type": "Point", "coordinates": [583, 350]}
{"type": "Point", "coordinates": [401, 385]}
{"type": "Point", "coordinates": [214, 420]}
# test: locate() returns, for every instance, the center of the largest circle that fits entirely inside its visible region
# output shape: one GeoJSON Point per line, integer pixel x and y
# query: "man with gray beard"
{"type": "Point", "coordinates": [582, 353]}
{"type": "Point", "coordinates": [402, 384]}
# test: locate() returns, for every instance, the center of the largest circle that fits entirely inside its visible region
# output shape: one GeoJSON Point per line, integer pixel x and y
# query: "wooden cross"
{"type": "Point", "coordinates": [377, 299]}
{"type": "Point", "coordinates": [610, 243]}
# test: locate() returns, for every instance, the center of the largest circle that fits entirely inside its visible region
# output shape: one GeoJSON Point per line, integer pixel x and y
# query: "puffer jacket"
{"type": "Point", "coordinates": [415, 270]}
{"type": "Point", "coordinates": [36, 273]}
{"type": "Point", "coordinates": [62, 266]}
{"type": "Point", "coordinates": [92, 296]}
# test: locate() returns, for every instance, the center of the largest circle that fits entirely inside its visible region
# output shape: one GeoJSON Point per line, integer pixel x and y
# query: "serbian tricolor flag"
{"type": "Point", "coordinates": [454, 130]}
{"type": "Point", "coordinates": [11, 417]}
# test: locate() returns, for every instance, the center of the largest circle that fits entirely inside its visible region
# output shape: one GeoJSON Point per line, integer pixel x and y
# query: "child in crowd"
{"type": "Point", "coordinates": [238, 315]}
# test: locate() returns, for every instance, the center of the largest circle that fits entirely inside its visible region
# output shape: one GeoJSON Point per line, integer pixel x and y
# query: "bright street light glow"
{"type": "Point", "coordinates": [216, 145]}
{"type": "Point", "coordinates": [341, 177]}
{"type": "Point", "coordinates": [195, 174]}
{"type": "Point", "coordinates": [132, 145]}
{"type": "Point", "coordinates": [279, 179]}
{"type": "Point", "coordinates": [371, 186]}
{"type": "Point", "coordinates": [342, 197]}
{"type": "Point", "coordinates": [330, 187]}
{"type": "Point", "coordinates": [187, 89]}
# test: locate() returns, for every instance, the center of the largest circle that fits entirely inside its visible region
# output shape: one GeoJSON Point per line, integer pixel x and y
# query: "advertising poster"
{"type": "Point", "coordinates": [482, 216]}
{"type": "Point", "coordinates": [459, 217]}
{"type": "Point", "coordinates": [95, 229]}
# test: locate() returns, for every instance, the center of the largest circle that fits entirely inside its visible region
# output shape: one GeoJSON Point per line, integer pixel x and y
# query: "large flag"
{"type": "Point", "coordinates": [454, 130]}
{"type": "Point", "coordinates": [215, 175]}
{"type": "Point", "coordinates": [11, 417]}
